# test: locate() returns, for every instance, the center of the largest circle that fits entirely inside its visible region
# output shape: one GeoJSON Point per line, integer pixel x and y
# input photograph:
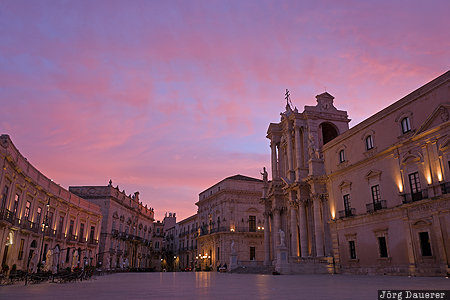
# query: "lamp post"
{"type": "Point", "coordinates": [44, 226]}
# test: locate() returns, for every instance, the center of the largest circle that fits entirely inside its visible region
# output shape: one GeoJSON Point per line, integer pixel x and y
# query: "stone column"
{"type": "Point", "coordinates": [318, 228]}
{"type": "Point", "coordinates": [290, 156]}
{"type": "Point", "coordinates": [294, 235]}
{"type": "Point", "coordinates": [266, 240]}
{"type": "Point", "coordinates": [274, 160]}
{"type": "Point", "coordinates": [303, 229]}
{"type": "Point", "coordinates": [298, 151]}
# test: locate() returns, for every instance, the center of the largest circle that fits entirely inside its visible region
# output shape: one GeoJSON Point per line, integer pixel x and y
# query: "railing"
{"type": "Point", "coordinates": [408, 198]}
{"type": "Point", "coordinates": [445, 188]}
{"type": "Point", "coordinates": [229, 229]}
{"type": "Point", "coordinates": [347, 213]}
{"type": "Point", "coordinates": [50, 232]}
{"type": "Point", "coordinates": [60, 235]}
{"type": "Point", "coordinates": [93, 242]}
{"type": "Point", "coordinates": [371, 207]}
{"type": "Point", "coordinates": [71, 238]}
{"type": "Point", "coordinates": [7, 216]}
{"type": "Point", "coordinates": [115, 232]}
{"type": "Point", "coordinates": [28, 225]}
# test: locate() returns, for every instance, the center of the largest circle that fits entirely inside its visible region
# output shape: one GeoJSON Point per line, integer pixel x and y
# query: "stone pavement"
{"type": "Point", "coordinates": [212, 285]}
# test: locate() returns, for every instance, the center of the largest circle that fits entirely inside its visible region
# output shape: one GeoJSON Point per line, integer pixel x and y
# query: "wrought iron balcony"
{"type": "Point", "coordinates": [50, 232]}
{"type": "Point", "coordinates": [408, 198]}
{"type": "Point", "coordinates": [93, 242]}
{"type": "Point", "coordinates": [445, 188]}
{"type": "Point", "coordinates": [374, 206]}
{"type": "Point", "coordinates": [7, 216]}
{"type": "Point", "coordinates": [347, 213]}
{"type": "Point", "coordinates": [28, 225]}
{"type": "Point", "coordinates": [71, 238]}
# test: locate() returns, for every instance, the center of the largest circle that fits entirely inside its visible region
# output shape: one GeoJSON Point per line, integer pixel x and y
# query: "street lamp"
{"type": "Point", "coordinates": [44, 226]}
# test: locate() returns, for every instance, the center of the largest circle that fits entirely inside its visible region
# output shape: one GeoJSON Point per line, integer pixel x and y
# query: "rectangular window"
{"type": "Point", "coordinates": [382, 246]}
{"type": "Point", "coordinates": [91, 234]}
{"type": "Point", "coordinates": [252, 223]}
{"type": "Point", "coordinates": [252, 253]}
{"type": "Point", "coordinates": [81, 235]}
{"type": "Point", "coordinates": [38, 216]}
{"type": "Point", "coordinates": [27, 210]}
{"type": "Point", "coordinates": [5, 196]}
{"type": "Point", "coordinates": [425, 244]}
{"type": "Point", "coordinates": [22, 241]}
{"type": "Point", "coordinates": [16, 205]}
{"type": "Point", "coordinates": [376, 194]}
{"type": "Point", "coordinates": [341, 156]}
{"type": "Point", "coordinates": [406, 126]}
{"type": "Point", "coordinates": [369, 142]}
{"type": "Point", "coordinates": [50, 219]}
{"type": "Point", "coordinates": [61, 225]}
{"type": "Point", "coordinates": [347, 206]}
{"type": "Point", "coordinates": [71, 224]}
{"type": "Point", "coordinates": [67, 254]}
{"type": "Point", "coordinates": [352, 248]}
{"type": "Point", "coordinates": [156, 245]}
{"type": "Point", "coordinates": [416, 189]}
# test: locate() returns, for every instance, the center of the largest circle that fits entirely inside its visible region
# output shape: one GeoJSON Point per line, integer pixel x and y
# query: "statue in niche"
{"type": "Point", "coordinates": [233, 250]}
{"type": "Point", "coordinates": [313, 151]}
{"type": "Point", "coordinates": [282, 237]}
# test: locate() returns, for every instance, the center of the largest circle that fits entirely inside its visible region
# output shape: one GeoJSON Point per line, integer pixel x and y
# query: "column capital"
{"type": "Point", "coordinates": [315, 197]}
{"type": "Point", "coordinates": [293, 204]}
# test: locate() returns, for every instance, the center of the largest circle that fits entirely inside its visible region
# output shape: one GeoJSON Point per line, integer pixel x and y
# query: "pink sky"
{"type": "Point", "coordinates": [169, 97]}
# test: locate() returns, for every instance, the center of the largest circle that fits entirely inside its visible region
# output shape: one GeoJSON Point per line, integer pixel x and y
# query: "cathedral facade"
{"type": "Point", "coordinates": [371, 199]}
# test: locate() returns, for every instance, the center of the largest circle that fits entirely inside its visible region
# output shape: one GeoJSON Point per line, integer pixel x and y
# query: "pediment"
{"type": "Point", "coordinates": [422, 223]}
{"type": "Point", "coordinates": [252, 209]}
{"type": "Point", "coordinates": [373, 173]}
{"type": "Point", "coordinates": [439, 116]}
{"type": "Point", "coordinates": [410, 158]}
{"type": "Point", "coordinates": [345, 184]}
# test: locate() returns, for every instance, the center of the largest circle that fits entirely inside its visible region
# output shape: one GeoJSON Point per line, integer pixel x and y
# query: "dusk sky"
{"type": "Point", "coordinates": [169, 97]}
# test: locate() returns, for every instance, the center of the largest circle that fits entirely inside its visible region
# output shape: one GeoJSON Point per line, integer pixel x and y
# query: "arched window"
{"type": "Point", "coordinates": [341, 156]}
{"type": "Point", "coordinates": [329, 132]}
{"type": "Point", "coordinates": [406, 126]}
{"type": "Point", "coordinates": [369, 142]}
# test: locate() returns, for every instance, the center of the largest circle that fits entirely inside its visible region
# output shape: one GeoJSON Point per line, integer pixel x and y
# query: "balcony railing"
{"type": "Point", "coordinates": [50, 232]}
{"type": "Point", "coordinates": [28, 225]}
{"type": "Point", "coordinates": [60, 235]}
{"type": "Point", "coordinates": [71, 238]}
{"type": "Point", "coordinates": [374, 206]}
{"type": "Point", "coordinates": [229, 229]}
{"type": "Point", "coordinates": [408, 198]}
{"type": "Point", "coordinates": [92, 242]}
{"type": "Point", "coordinates": [445, 188]}
{"type": "Point", "coordinates": [7, 216]}
{"type": "Point", "coordinates": [347, 213]}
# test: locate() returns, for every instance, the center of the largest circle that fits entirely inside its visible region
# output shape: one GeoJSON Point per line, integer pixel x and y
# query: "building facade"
{"type": "Point", "coordinates": [127, 226]}
{"type": "Point", "coordinates": [296, 207]}
{"type": "Point", "coordinates": [230, 221]}
{"type": "Point", "coordinates": [40, 221]}
{"type": "Point", "coordinates": [187, 230]}
{"type": "Point", "coordinates": [389, 190]}
{"type": "Point", "coordinates": [373, 199]}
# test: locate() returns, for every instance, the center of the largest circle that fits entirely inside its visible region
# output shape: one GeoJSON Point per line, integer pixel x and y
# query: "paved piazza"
{"type": "Point", "coordinates": [214, 285]}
